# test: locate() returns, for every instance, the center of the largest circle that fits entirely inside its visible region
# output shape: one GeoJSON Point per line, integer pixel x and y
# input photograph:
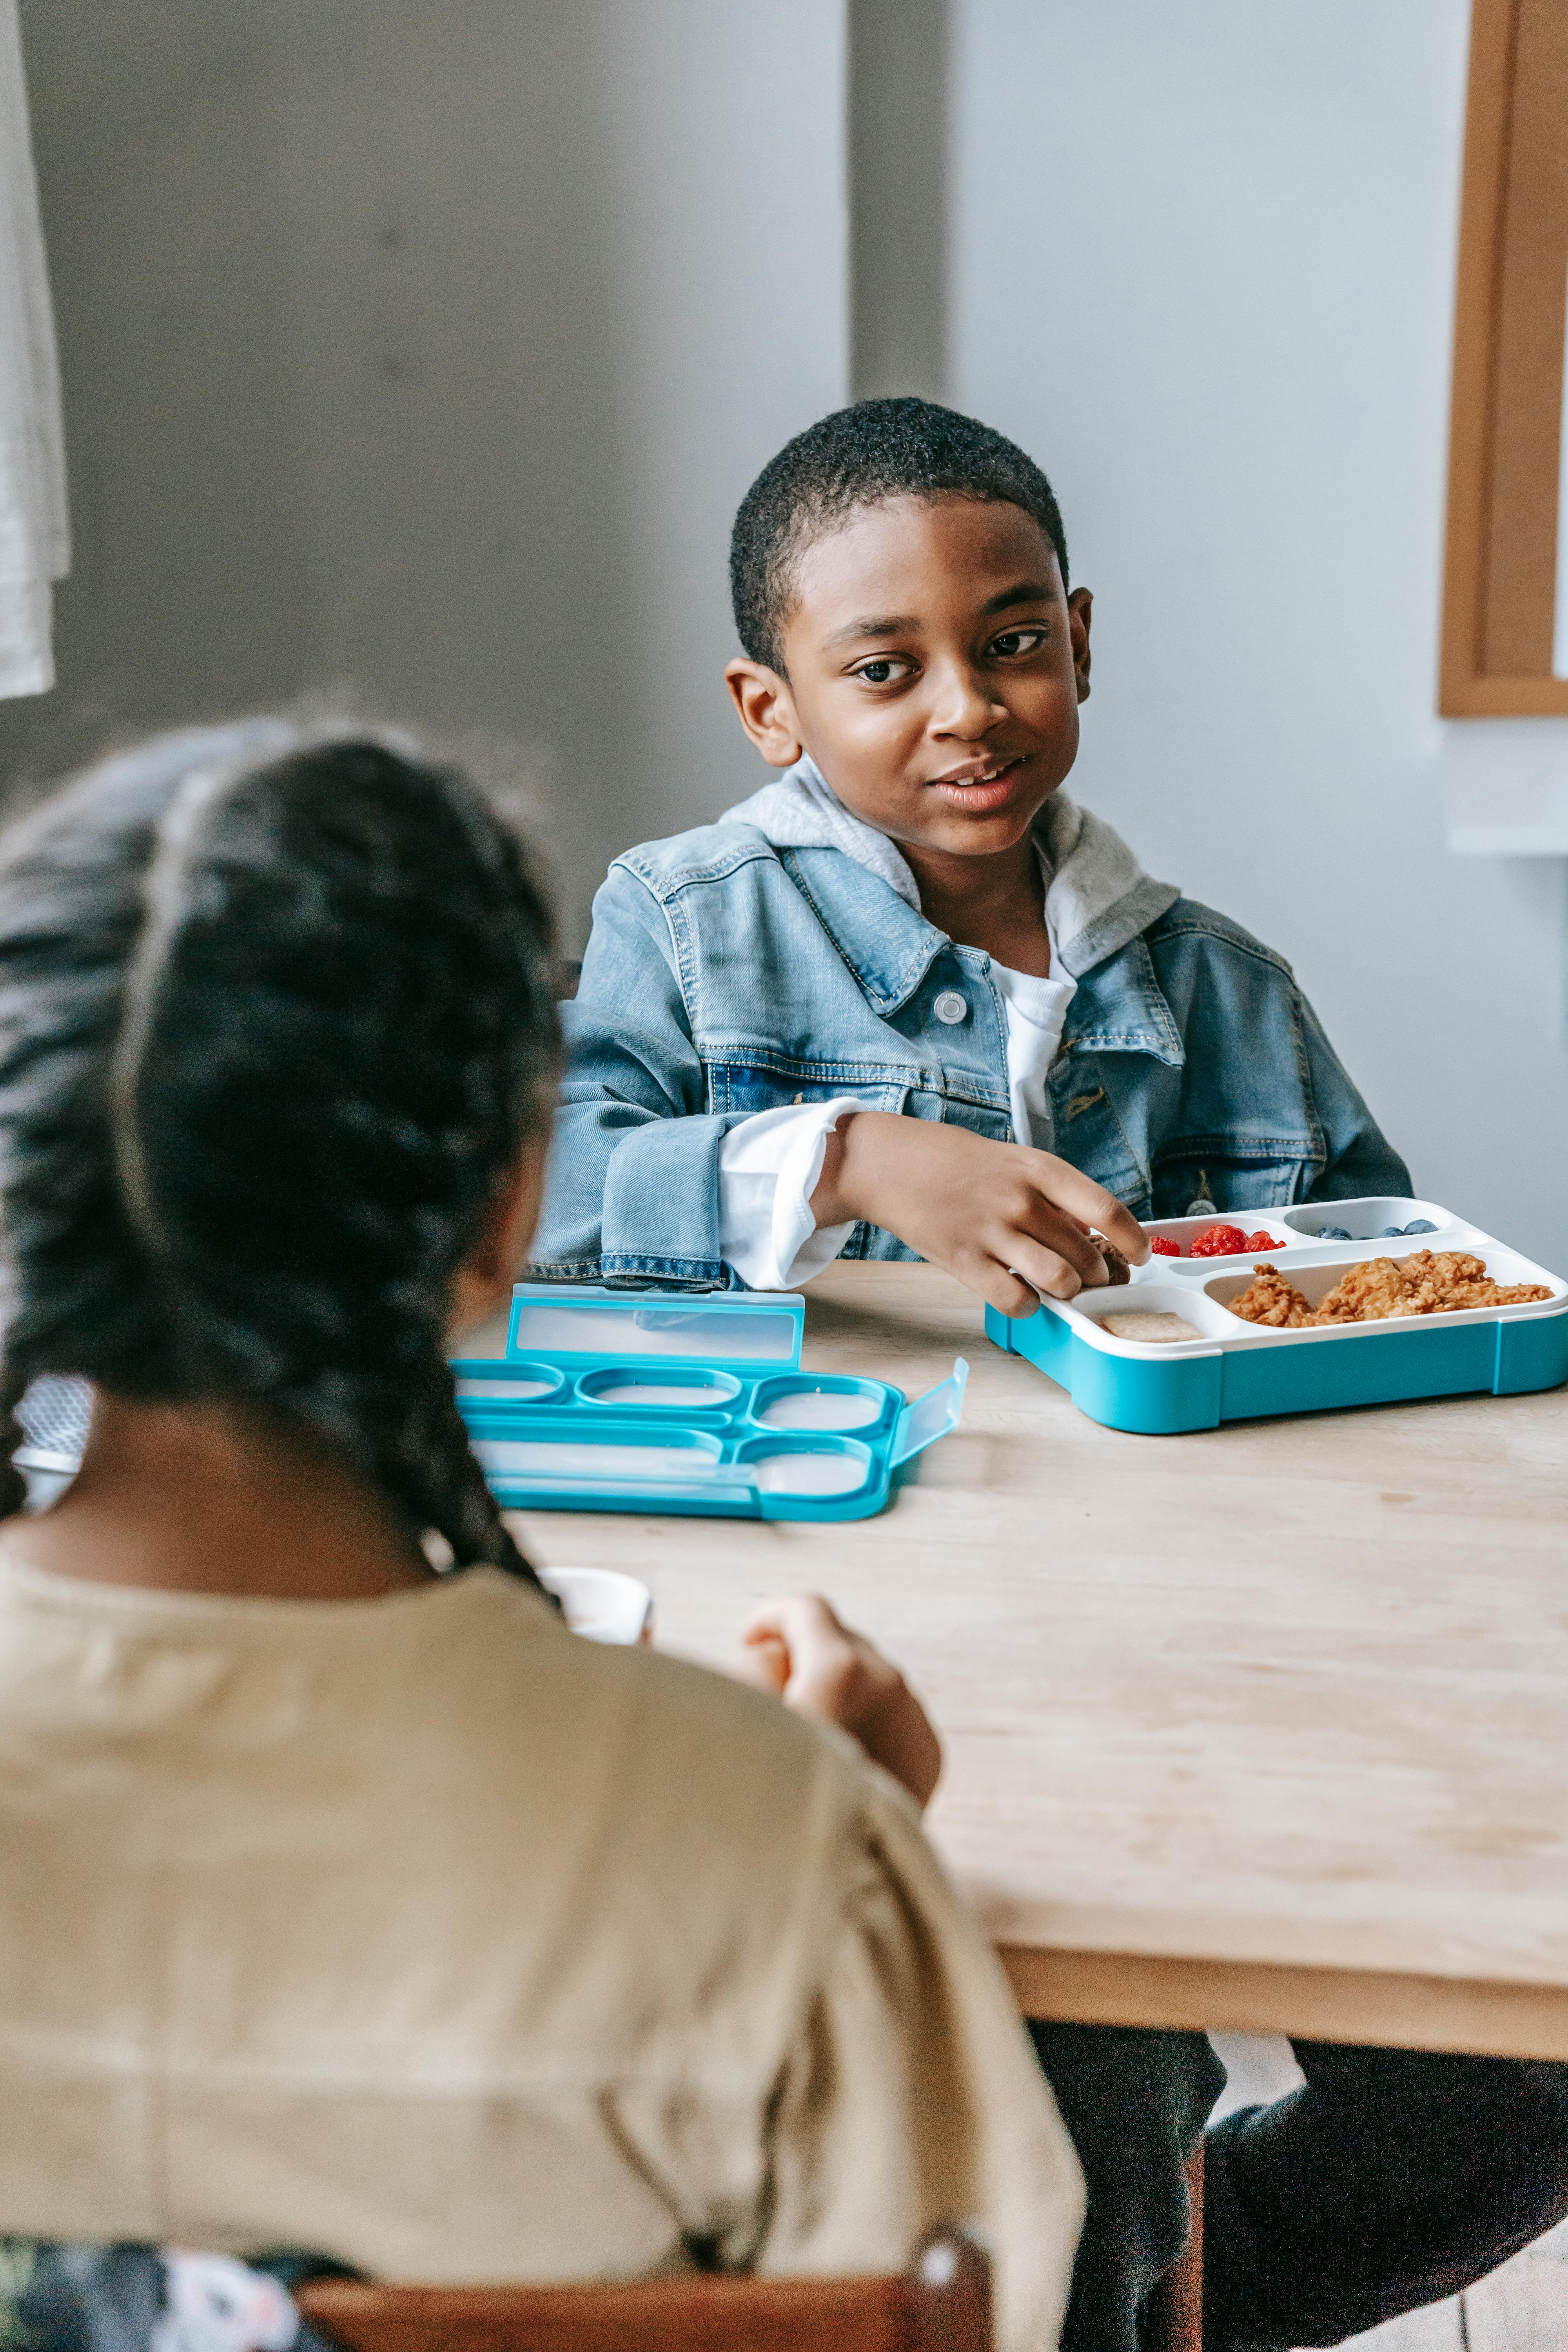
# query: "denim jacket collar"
{"type": "Point", "coordinates": [887, 944]}
{"type": "Point", "coordinates": [889, 949]}
{"type": "Point", "coordinates": [1098, 900]}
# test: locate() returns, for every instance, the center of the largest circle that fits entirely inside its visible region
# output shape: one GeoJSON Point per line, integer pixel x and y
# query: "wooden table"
{"type": "Point", "coordinates": [1260, 1728]}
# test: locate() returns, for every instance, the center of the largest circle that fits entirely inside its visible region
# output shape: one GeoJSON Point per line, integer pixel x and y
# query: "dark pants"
{"type": "Point", "coordinates": [1391, 2178]}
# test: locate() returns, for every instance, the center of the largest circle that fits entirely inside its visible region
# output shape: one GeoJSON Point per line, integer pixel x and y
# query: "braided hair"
{"type": "Point", "coordinates": [277, 1019]}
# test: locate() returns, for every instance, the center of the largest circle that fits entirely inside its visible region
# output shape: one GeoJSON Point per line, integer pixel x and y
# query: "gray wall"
{"type": "Point", "coordinates": [430, 347]}
{"type": "Point", "coordinates": [1204, 263]}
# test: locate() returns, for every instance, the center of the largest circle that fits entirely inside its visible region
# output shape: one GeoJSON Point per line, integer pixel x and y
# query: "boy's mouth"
{"type": "Point", "coordinates": [980, 784]}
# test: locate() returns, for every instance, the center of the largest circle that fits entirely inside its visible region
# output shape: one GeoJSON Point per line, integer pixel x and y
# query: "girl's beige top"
{"type": "Point", "coordinates": [422, 1933]}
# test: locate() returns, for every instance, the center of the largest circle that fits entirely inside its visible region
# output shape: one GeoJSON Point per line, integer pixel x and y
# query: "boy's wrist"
{"type": "Point", "coordinates": [835, 1198]}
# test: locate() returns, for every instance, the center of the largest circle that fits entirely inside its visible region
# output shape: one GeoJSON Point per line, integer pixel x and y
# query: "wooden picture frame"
{"type": "Point", "coordinates": [1500, 585]}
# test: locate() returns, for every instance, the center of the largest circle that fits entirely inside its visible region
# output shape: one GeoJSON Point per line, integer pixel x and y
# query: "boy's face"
{"type": "Point", "coordinates": [935, 667]}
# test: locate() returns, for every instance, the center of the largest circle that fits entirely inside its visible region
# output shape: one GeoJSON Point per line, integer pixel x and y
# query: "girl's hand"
{"type": "Point", "coordinates": [798, 1649]}
{"type": "Point", "coordinates": [1009, 1222]}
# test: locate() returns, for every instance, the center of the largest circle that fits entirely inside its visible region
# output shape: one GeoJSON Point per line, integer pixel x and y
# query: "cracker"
{"type": "Point", "coordinates": [1150, 1330]}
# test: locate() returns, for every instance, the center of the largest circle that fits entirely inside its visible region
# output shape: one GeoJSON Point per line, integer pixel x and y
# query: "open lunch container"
{"type": "Point", "coordinates": [688, 1403]}
{"type": "Point", "coordinates": [1235, 1370]}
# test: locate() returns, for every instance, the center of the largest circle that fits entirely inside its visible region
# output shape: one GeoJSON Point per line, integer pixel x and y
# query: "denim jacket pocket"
{"type": "Point", "coordinates": [762, 1084]}
{"type": "Point", "coordinates": [1270, 1174]}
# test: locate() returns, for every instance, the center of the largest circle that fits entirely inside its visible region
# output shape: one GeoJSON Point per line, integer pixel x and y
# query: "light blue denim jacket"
{"type": "Point", "coordinates": [726, 975]}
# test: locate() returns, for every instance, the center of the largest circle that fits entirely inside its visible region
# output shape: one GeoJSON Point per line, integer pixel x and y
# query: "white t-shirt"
{"type": "Point", "coordinates": [769, 1165]}
{"type": "Point", "coordinates": [1037, 1013]}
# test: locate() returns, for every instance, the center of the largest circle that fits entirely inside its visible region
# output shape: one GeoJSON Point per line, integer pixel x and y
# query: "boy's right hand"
{"type": "Point", "coordinates": [1009, 1222]}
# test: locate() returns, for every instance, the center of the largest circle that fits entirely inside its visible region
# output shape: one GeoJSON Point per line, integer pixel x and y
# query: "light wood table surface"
{"type": "Point", "coordinates": [1264, 1728]}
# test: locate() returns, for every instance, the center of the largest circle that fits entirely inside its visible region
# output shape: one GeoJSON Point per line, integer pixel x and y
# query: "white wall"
{"type": "Point", "coordinates": [431, 347]}
{"type": "Point", "coordinates": [1204, 263]}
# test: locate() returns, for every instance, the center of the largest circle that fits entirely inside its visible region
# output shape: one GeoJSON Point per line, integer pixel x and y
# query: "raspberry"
{"type": "Point", "coordinates": [1262, 1241]}
{"type": "Point", "coordinates": [1219, 1241]}
{"type": "Point", "coordinates": [1163, 1245]}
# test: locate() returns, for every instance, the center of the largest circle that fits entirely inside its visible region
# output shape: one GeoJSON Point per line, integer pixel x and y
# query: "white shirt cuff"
{"type": "Point", "coordinates": [768, 1169]}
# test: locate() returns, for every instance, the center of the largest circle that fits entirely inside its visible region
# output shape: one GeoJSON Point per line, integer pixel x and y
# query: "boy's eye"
{"type": "Point", "coordinates": [882, 671]}
{"type": "Point", "coordinates": [1013, 642]}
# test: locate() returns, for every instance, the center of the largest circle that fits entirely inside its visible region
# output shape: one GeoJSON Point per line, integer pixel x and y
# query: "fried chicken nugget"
{"type": "Point", "coordinates": [1444, 1282]}
{"type": "Point", "coordinates": [1368, 1292]}
{"type": "Point", "coordinates": [1424, 1282]}
{"type": "Point", "coordinates": [1270, 1298]}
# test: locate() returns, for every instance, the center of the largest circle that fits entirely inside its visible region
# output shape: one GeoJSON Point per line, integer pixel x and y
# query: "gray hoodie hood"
{"type": "Point", "coordinates": [1096, 898]}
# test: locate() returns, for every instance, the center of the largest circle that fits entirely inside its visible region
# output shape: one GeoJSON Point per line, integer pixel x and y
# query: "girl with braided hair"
{"type": "Point", "coordinates": [345, 1903]}
{"type": "Point", "coordinates": [277, 1023]}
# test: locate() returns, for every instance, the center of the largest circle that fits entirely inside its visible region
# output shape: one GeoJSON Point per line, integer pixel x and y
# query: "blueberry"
{"type": "Point", "coordinates": [1332, 1234]}
{"type": "Point", "coordinates": [1421, 1225]}
{"type": "Point", "coordinates": [1389, 1233]}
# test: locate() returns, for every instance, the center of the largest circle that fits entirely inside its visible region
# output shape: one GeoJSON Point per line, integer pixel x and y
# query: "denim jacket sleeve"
{"type": "Point", "coordinates": [632, 1187]}
{"type": "Point", "coordinates": [1360, 1159]}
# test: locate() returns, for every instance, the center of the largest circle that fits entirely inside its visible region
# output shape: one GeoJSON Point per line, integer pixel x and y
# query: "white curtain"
{"type": "Point", "coordinates": [35, 541]}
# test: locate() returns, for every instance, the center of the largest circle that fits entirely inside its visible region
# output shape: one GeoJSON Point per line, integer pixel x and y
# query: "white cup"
{"type": "Point", "coordinates": [601, 1604]}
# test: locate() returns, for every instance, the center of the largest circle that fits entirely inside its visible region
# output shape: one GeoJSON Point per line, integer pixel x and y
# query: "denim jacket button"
{"type": "Point", "coordinates": [950, 1007]}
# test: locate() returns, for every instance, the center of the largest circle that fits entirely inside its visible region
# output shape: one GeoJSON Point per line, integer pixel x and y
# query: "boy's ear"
{"type": "Point", "coordinates": [766, 710]}
{"type": "Point", "coordinates": [1080, 611]}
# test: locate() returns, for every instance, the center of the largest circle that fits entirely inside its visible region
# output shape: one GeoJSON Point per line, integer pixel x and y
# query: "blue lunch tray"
{"type": "Point", "coordinates": [1235, 1370]}
{"type": "Point", "coordinates": [663, 1401]}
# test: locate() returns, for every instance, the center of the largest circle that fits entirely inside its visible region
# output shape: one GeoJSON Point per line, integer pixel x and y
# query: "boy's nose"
{"type": "Point", "coordinates": [963, 705]}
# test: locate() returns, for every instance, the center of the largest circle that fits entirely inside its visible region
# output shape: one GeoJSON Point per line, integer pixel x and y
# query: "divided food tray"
{"type": "Point", "coordinates": [1235, 1370]}
{"type": "Point", "coordinates": [663, 1401]}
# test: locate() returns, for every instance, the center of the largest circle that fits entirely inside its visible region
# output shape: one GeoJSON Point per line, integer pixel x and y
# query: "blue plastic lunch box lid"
{"type": "Point", "coordinates": [744, 1330]}
{"type": "Point", "coordinates": [558, 1424]}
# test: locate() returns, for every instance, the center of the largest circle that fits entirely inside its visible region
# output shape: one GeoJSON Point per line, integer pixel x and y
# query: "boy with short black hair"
{"type": "Point", "coordinates": [910, 1000]}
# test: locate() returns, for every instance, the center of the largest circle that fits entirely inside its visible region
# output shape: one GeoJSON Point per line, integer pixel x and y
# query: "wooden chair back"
{"type": "Point", "coordinates": [943, 2304]}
